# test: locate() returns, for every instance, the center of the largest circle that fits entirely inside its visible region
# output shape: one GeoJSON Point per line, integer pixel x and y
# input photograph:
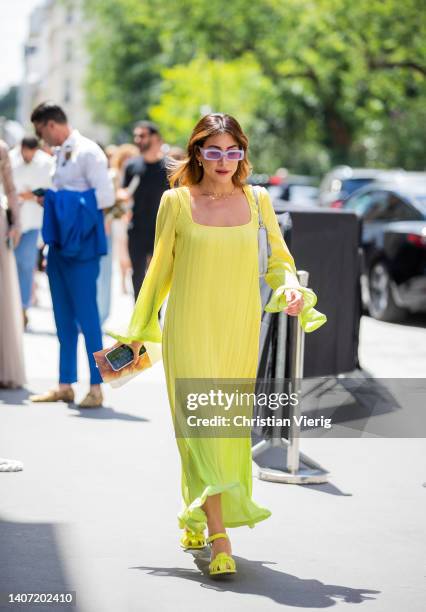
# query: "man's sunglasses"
{"type": "Point", "coordinates": [216, 154]}
{"type": "Point", "coordinates": [141, 135]}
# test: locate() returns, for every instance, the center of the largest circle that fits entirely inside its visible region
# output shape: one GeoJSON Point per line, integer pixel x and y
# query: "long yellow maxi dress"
{"type": "Point", "coordinates": [211, 330]}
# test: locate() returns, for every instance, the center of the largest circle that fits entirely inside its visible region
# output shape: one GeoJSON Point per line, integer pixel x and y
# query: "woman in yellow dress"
{"type": "Point", "coordinates": [206, 258]}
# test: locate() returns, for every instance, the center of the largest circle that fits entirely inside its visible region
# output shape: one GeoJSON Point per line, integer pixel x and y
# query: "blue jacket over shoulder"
{"type": "Point", "coordinates": [73, 224]}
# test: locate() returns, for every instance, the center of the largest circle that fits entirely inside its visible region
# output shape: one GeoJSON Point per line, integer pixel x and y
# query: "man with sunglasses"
{"type": "Point", "coordinates": [73, 226]}
{"type": "Point", "coordinates": [150, 168]}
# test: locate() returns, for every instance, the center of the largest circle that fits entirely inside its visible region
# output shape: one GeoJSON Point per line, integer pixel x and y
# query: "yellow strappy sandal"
{"type": "Point", "coordinates": [193, 540]}
{"type": "Point", "coordinates": [223, 564]}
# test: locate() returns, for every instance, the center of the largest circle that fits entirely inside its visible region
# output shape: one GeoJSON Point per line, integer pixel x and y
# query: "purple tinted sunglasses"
{"type": "Point", "coordinates": [217, 154]}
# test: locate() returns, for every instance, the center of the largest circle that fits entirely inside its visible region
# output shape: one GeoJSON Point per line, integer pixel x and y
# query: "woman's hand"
{"type": "Point", "coordinates": [294, 299]}
{"type": "Point", "coordinates": [135, 346]}
{"type": "Point", "coordinates": [123, 195]}
{"type": "Point", "coordinates": [26, 195]}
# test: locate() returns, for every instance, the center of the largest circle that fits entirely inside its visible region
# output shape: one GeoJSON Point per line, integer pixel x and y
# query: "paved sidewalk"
{"type": "Point", "coordinates": [94, 509]}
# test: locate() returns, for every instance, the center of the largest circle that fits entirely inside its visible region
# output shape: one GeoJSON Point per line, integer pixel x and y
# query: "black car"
{"type": "Point", "coordinates": [394, 246]}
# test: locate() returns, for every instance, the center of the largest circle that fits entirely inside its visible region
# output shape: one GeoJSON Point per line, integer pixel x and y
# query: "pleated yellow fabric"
{"type": "Point", "coordinates": [211, 330]}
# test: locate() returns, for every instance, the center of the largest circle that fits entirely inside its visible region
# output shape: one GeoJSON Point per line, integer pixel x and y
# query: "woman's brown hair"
{"type": "Point", "coordinates": [188, 171]}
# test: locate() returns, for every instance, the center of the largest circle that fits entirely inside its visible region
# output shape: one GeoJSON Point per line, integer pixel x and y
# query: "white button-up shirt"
{"type": "Point", "coordinates": [80, 165]}
{"type": "Point", "coordinates": [27, 176]}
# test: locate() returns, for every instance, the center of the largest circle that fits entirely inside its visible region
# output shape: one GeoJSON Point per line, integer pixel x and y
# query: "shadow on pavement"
{"type": "Point", "coordinates": [30, 562]}
{"type": "Point", "coordinates": [255, 578]}
{"type": "Point", "coordinates": [104, 413]}
{"type": "Point", "coordinates": [326, 487]}
{"type": "Point", "coordinates": [15, 397]}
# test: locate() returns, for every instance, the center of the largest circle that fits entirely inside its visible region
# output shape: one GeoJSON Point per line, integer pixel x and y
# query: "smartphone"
{"type": "Point", "coordinates": [39, 193]}
{"type": "Point", "coordinates": [121, 356]}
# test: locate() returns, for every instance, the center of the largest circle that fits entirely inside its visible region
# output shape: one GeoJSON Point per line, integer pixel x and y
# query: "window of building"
{"type": "Point", "coordinates": [67, 91]}
{"type": "Point", "coordinates": [69, 14]}
{"type": "Point", "coordinates": [68, 50]}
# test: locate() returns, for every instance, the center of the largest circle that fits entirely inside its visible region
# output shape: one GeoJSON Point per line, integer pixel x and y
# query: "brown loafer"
{"type": "Point", "coordinates": [92, 400]}
{"type": "Point", "coordinates": [54, 395]}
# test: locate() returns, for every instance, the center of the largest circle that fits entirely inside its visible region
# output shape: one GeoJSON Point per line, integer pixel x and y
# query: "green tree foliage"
{"type": "Point", "coordinates": [234, 87]}
{"type": "Point", "coordinates": [125, 62]}
{"type": "Point", "coordinates": [314, 82]}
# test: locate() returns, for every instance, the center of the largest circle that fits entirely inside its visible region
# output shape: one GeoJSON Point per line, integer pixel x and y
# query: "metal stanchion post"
{"type": "Point", "coordinates": [297, 352]}
{"type": "Point", "coordinates": [280, 460]}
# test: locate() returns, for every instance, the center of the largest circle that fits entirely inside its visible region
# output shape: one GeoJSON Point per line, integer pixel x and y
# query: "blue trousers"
{"type": "Point", "coordinates": [26, 258]}
{"type": "Point", "coordinates": [73, 288]}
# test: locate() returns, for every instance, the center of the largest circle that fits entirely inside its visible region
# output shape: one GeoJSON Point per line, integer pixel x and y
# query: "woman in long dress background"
{"type": "Point", "coordinates": [206, 258]}
{"type": "Point", "coordinates": [12, 371]}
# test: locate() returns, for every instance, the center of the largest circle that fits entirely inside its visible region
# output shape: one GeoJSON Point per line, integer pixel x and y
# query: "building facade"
{"type": "Point", "coordinates": [56, 60]}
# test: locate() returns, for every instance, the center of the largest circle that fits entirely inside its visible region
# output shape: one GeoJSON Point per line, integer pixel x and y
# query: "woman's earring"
{"type": "Point", "coordinates": [199, 163]}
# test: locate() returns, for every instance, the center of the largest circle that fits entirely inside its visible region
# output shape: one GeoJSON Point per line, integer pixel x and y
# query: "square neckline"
{"type": "Point", "coordinates": [245, 188]}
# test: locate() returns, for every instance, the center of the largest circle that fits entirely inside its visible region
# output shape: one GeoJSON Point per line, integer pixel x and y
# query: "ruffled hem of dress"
{"type": "Point", "coordinates": [139, 331]}
{"type": "Point", "coordinates": [194, 518]}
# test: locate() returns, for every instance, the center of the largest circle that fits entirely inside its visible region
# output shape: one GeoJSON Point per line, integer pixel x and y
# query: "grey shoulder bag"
{"type": "Point", "coordinates": [264, 247]}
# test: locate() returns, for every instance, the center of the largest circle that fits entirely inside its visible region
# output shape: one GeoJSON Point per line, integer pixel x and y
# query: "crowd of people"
{"type": "Point", "coordinates": [59, 169]}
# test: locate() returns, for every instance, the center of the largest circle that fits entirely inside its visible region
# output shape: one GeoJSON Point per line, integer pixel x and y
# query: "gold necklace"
{"type": "Point", "coordinates": [213, 195]}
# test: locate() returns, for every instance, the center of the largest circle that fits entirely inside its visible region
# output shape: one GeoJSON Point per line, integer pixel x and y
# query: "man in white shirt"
{"type": "Point", "coordinates": [31, 169]}
{"type": "Point", "coordinates": [80, 165]}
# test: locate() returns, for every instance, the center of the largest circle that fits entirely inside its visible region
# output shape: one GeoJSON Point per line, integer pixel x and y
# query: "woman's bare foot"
{"type": "Point", "coordinates": [220, 545]}
{"type": "Point", "coordinates": [213, 510]}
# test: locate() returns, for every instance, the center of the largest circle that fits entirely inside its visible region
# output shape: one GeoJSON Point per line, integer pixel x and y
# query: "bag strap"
{"type": "Point", "coordinates": [179, 196]}
{"type": "Point", "coordinates": [255, 190]}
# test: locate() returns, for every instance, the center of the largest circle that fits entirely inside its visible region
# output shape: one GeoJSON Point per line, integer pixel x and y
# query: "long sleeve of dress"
{"type": "Point", "coordinates": [144, 325]}
{"type": "Point", "coordinates": [6, 178]}
{"type": "Point", "coordinates": [282, 274]}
